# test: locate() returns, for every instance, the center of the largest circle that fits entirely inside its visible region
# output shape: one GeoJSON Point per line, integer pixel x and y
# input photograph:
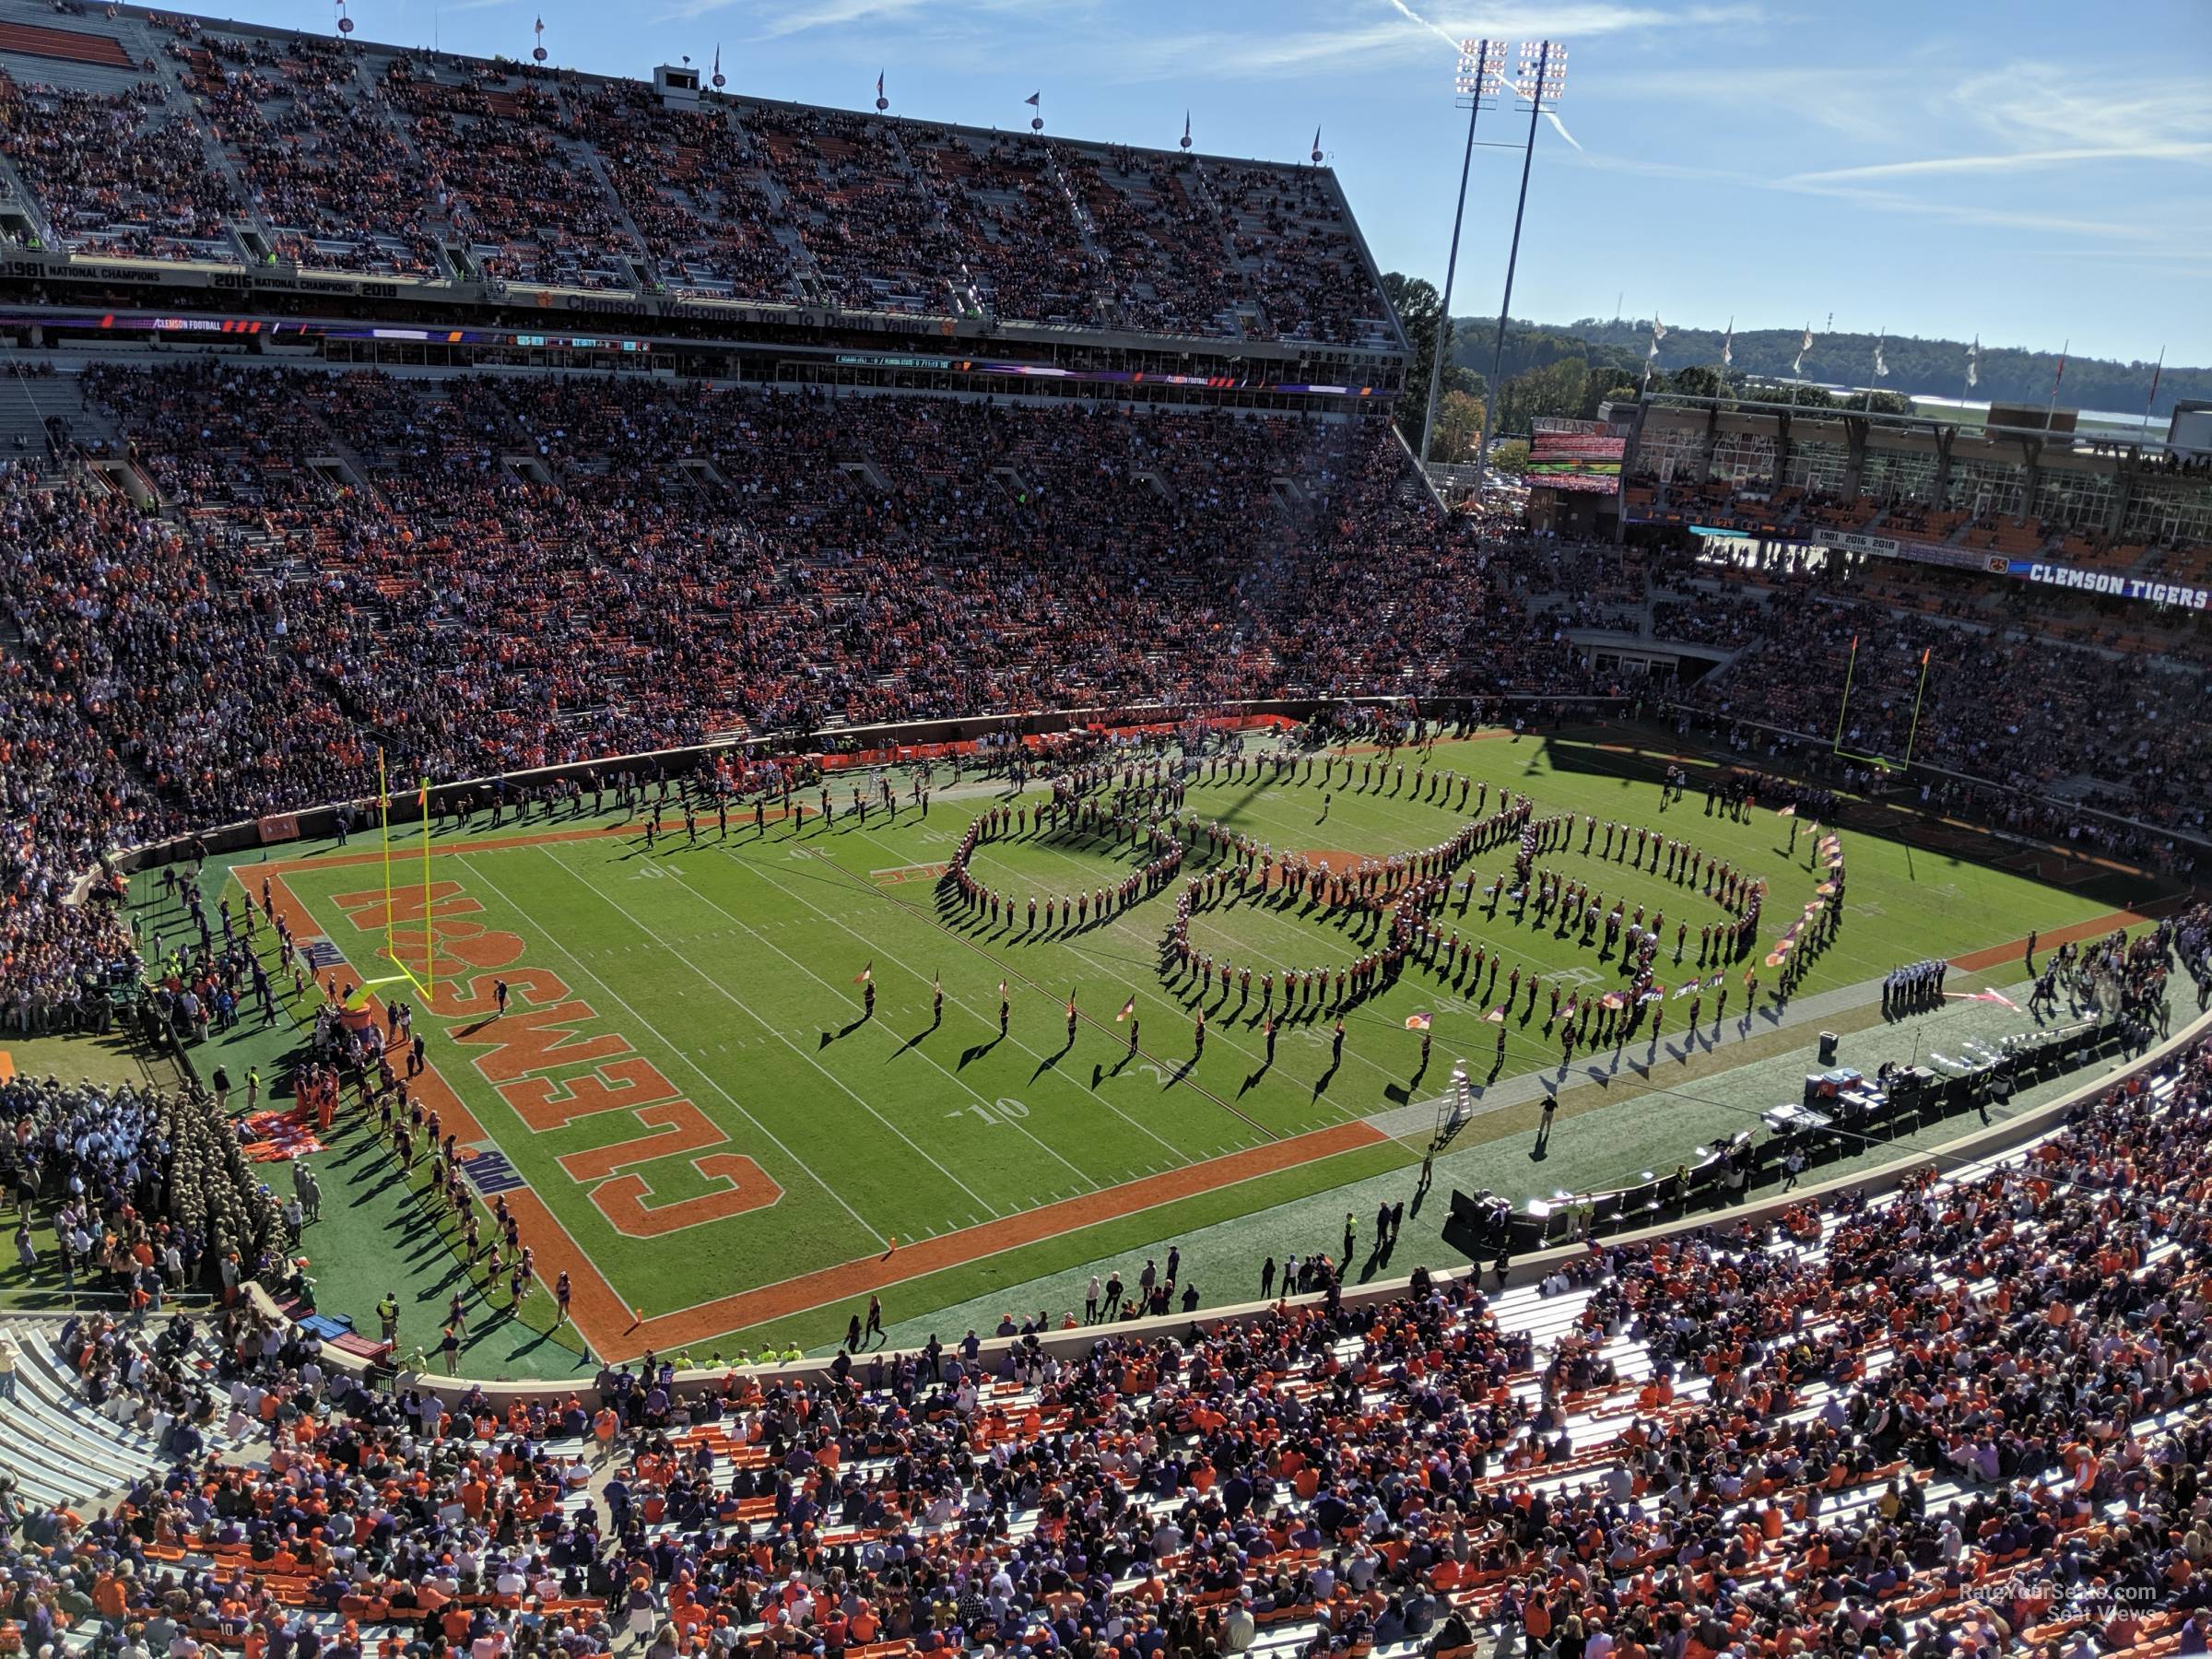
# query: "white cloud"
{"type": "Point", "coordinates": [1848, 101]}
{"type": "Point", "coordinates": [2012, 161]}
{"type": "Point", "coordinates": [1402, 33]}
{"type": "Point", "coordinates": [2051, 106]}
{"type": "Point", "coordinates": [2041, 116]}
{"type": "Point", "coordinates": [2134, 230]}
{"type": "Point", "coordinates": [799, 18]}
{"type": "Point", "coordinates": [833, 14]}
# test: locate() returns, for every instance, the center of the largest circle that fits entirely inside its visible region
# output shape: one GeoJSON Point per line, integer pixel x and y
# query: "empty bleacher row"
{"type": "Point", "coordinates": [63, 1448]}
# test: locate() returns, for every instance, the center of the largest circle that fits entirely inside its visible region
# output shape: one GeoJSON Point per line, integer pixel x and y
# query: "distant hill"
{"type": "Point", "coordinates": [1917, 367]}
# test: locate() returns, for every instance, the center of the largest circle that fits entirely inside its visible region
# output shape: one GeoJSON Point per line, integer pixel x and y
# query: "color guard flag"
{"type": "Point", "coordinates": [1128, 1009]}
{"type": "Point", "coordinates": [1417, 1022]}
{"type": "Point", "coordinates": [1714, 982]}
{"type": "Point", "coordinates": [1988, 996]}
{"type": "Point", "coordinates": [1496, 1016]}
{"type": "Point", "coordinates": [1789, 811]}
{"type": "Point", "coordinates": [865, 975]}
{"type": "Point", "coordinates": [1002, 990]}
{"type": "Point", "coordinates": [1571, 1009]}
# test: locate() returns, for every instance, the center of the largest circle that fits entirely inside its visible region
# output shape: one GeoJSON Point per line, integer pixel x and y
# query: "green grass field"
{"type": "Point", "coordinates": [685, 1082]}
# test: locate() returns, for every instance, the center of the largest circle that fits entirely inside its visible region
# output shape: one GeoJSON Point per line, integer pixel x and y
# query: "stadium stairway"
{"type": "Point", "coordinates": [26, 401]}
{"type": "Point", "coordinates": [60, 1447]}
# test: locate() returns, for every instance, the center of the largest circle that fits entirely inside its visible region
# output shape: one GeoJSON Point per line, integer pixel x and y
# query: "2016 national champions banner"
{"type": "Point", "coordinates": [2105, 585]}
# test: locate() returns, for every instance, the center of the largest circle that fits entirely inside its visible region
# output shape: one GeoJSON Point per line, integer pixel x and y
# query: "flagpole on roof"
{"type": "Point", "coordinates": [1036, 102]}
{"type": "Point", "coordinates": [2051, 409]}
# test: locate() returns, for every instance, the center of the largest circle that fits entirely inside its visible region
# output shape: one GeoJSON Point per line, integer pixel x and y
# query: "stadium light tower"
{"type": "Point", "coordinates": [1542, 80]}
{"type": "Point", "coordinates": [1482, 74]}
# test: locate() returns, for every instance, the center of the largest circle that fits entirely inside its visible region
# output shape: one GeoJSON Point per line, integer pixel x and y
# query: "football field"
{"type": "Point", "coordinates": [692, 1109]}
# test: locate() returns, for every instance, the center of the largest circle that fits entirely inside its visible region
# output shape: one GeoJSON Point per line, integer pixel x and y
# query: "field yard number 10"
{"type": "Point", "coordinates": [1004, 1109]}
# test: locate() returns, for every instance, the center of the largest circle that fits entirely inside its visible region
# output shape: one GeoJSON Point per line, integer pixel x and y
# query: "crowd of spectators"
{"type": "Point", "coordinates": [329, 173]}
{"type": "Point", "coordinates": [364, 159]}
{"type": "Point", "coordinates": [1962, 1420]}
{"type": "Point", "coordinates": [484, 574]}
{"type": "Point", "coordinates": [2051, 717]}
{"type": "Point", "coordinates": [532, 570]}
{"type": "Point", "coordinates": [2121, 731]}
{"type": "Point", "coordinates": [117, 173]}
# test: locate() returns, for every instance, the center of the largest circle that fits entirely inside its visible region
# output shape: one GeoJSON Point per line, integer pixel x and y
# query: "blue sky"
{"type": "Point", "coordinates": [2029, 172]}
